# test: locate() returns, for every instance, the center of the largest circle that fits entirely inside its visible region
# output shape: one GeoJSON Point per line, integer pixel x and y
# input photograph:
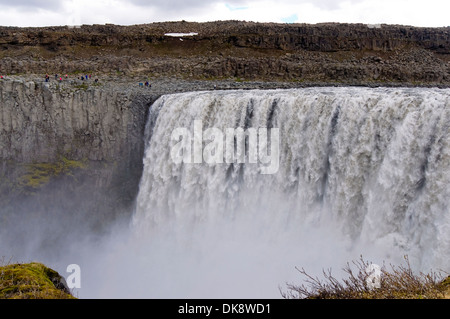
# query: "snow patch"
{"type": "Point", "coordinates": [190, 34]}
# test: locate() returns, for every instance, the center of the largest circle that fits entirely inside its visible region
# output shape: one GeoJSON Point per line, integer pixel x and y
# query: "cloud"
{"type": "Point", "coordinates": [126, 12]}
{"type": "Point", "coordinates": [30, 5]}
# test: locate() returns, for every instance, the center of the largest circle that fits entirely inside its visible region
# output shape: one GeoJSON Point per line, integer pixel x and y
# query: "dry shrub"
{"type": "Point", "coordinates": [398, 283]}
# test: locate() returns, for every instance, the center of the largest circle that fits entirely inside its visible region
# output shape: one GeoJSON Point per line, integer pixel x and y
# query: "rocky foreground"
{"type": "Point", "coordinates": [354, 54]}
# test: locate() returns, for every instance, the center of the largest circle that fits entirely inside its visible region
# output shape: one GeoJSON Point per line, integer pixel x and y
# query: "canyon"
{"type": "Point", "coordinates": [73, 149]}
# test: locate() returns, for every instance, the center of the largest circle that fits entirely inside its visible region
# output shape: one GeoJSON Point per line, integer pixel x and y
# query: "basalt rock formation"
{"type": "Point", "coordinates": [68, 150]}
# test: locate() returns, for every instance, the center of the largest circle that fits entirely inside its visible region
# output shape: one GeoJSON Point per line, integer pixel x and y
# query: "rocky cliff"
{"type": "Point", "coordinates": [41, 123]}
{"type": "Point", "coordinates": [70, 154]}
{"type": "Point", "coordinates": [334, 53]}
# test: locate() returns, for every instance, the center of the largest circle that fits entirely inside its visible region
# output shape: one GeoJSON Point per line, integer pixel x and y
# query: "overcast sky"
{"type": "Point", "coordinates": [424, 13]}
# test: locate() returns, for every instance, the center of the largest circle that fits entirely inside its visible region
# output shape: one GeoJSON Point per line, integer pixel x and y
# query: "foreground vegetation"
{"type": "Point", "coordinates": [371, 282]}
{"type": "Point", "coordinates": [36, 281]}
{"type": "Point", "coordinates": [32, 281]}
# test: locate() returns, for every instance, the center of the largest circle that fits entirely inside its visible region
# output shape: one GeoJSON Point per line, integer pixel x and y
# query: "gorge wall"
{"type": "Point", "coordinates": [40, 123]}
{"type": "Point", "coordinates": [70, 155]}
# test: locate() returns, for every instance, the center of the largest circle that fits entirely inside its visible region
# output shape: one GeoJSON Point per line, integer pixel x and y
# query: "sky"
{"type": "Point", "coordinates": [35, 13]}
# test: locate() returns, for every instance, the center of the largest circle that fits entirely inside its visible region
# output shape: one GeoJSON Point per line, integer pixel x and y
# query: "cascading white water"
{"type": "Point", "coordinates": [361, 172]}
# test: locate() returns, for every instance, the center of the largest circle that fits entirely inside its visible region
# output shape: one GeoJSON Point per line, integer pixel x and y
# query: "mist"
{"type": "Point", "coordinates": [362, 172]}
{"type": "Point", "coordinates": [250, 256]}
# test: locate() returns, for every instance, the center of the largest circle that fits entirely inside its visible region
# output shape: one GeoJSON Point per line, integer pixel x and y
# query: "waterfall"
{"type": "Point", "coordinates": [360, 171]}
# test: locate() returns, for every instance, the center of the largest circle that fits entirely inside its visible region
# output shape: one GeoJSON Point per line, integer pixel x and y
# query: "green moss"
{"type": "Point", "coordinates": [31, 281]}
{"type": "Point", "coordinates": [38, 174]}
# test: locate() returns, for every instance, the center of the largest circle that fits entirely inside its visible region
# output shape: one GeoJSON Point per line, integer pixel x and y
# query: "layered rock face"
{"type": "Point", "coordinates": [344, 53]}
{"type": "Point", "coordinates": [41, 123]}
